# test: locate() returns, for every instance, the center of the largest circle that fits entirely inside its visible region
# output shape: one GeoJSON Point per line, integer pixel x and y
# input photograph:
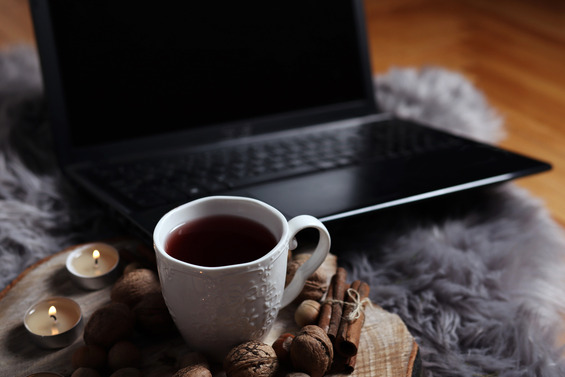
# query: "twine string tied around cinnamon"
{"type": "Point", "coordinates": [356, 302]}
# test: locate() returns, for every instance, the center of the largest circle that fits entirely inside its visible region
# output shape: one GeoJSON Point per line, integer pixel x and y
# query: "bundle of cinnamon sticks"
{"type": "Point", "coordinates": [342, 318]}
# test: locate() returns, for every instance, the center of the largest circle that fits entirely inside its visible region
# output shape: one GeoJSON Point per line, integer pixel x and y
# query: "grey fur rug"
{"type": "Point", "coordinates": [477, 277]}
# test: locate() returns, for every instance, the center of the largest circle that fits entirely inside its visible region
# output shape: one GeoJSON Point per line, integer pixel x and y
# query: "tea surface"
{"type": "Point", "coordinates": [220, 240]}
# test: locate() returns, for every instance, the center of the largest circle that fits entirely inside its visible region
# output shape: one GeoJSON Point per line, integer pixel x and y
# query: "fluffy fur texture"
{"type": "Point", "coordinates": [439, 98]}
{"type": "Point", "coordinates": [477, 277]}
{"type": "Point", "coordinates": [39, 212]}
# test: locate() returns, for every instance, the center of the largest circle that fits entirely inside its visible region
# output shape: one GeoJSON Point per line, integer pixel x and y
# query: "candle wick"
{"type": "Point", "coordinates": [53, 316]}
{"type": "Point", "coordinates": [96, 261]}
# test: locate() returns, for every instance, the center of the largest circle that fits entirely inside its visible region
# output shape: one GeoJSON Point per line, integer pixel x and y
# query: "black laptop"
{"type": "Point", "coordinates": [156, 103]}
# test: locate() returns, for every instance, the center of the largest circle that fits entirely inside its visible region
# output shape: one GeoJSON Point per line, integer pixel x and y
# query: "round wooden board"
{"type": "Point", "coordinates": [46, 278]}
{"type": "Point", "coordinates": [386, 347]}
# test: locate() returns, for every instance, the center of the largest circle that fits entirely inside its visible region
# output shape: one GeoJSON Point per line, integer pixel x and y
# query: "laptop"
{"type": "Point", "coordinates": [154, 104]}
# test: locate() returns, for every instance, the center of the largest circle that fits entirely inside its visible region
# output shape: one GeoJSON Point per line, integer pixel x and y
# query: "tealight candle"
{"type": "Point", "coordinates": [94, 265]}
{"type": "Point", "coordinates": [54, 323]}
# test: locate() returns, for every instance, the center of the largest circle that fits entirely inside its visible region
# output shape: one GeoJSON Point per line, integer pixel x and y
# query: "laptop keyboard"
{"type": "Point", "coordinates": [177, 178]}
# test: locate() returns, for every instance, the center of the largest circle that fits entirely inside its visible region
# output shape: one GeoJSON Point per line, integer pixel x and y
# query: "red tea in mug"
{"type": "Point", "coordinates": [219, 240]}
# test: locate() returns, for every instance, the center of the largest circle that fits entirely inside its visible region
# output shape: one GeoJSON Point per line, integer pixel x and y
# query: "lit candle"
{"type": "Point", "coordinates": [96, 257]}
{"type": "Point", "coordinates": [94, 265]}
{"type": "Point", "coordinates": [54, 323]}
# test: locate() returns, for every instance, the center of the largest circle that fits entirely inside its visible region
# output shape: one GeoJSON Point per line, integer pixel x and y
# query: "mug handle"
{"type": "Point", "coordinates": [318, 257]}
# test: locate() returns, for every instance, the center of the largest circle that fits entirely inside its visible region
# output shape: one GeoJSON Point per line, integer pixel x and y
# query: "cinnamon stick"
{"type": "Point", "coordinates": [339, 288]}
{"type": "Point", "coordinates": [326, 309]}
{"type": "Point", "coordinates": [347, 339]}
{"type": "Point", "coordinates": [349, 366]}
{"type": "Point", "coordinates": [343, 365]}
{"type": "Point", "coordinates": [344, 325]}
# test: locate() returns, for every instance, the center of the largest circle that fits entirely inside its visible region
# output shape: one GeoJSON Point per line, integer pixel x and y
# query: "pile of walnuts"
{"type": "Point", "coordinates": [310, 351]}
{"type": "Point", "coordinates": [306, 353]}
{"type": "Point", "coordinates": [110, 338]}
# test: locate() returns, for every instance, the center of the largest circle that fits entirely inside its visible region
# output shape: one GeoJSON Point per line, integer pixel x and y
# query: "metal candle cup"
{"type": "Point", "coordinates": [54, 323]}
{"type": "Point", "coordinates": [94, 265]}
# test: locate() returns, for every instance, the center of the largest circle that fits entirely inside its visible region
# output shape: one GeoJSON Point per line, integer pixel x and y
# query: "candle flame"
{"type": "Point", "coordinates": [53, 312]}
{"type": "Point", "coordinates": [96, 256]}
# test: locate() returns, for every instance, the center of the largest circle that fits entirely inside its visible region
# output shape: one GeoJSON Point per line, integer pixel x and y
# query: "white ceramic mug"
{"type": "Point", "coordinates": [216, 308]}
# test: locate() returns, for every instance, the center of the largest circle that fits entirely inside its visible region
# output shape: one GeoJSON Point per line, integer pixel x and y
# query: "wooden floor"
{"type": "Point", "coordinates": [512, 50]}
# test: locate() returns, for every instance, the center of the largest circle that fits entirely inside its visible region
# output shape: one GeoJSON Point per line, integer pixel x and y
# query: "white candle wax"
{"type": "Point", "coordinates": [84, 263]}
{"type": "Point", "coordinates": [40, 322]}
{"type": "Point", "coordinates": [54, 322]}
{"type": "Point", "coordinates": [93, 265]}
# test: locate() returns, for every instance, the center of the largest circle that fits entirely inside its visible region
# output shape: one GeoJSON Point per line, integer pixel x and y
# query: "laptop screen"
{"type": "Point", "coordinates": [136, 69]}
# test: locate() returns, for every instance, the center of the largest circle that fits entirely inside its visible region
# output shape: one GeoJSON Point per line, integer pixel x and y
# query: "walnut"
{"type": "Point", "coordinates": [126, 372]}
{"type": "Point", "coordinates": [152, 316]}
{"type": "Point", "coordinates": [89, 356]}
{"type": "Point", "coordinates": [85, 372]}
{"type": "Point", "coordinates": [316, 284]}
{"type": "Point", "coordinates": [132, 287]}
{"type": "Point", "coordinates": [315, 287]}
{"type": "Point", "coordinates": [108, 325]}
{"type": "Point", "coordinates": [192, 358]}
{"type": "Point", "coordinates": [124, 354]}
{"type": "Point", "coordinates": [159, 370]}
{"type": "Point", "coordinates": [251, 359]}
{"type": "Point", "coordinates": [130, 267]}
{"type": "Point", "coordinates": [311, 351]}
{"type": "Point", "coordinates": [197, 370]}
